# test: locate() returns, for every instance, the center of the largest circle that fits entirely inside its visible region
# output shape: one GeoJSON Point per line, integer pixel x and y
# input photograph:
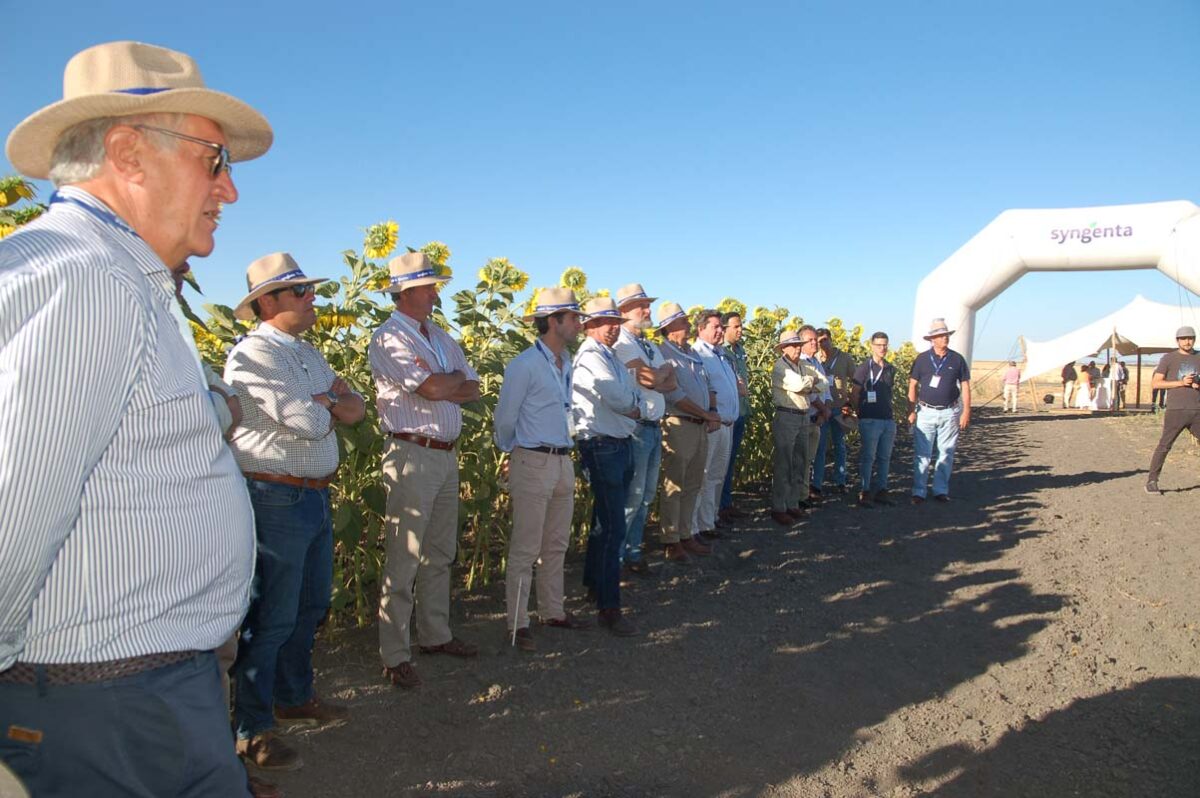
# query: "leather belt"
{"type": "Point", "coordinates": [646, 423]}
{"type": "Point", "coordinates": [691, 419]}
{"type": "Point", "coordinates": [548, 449]}
{"type": "Point", "coordinates": [421, 440]}
{"type": "Point", "coordinates": [298, 482]}
{"type": "Point", "coordinates": [791, 410]}
{"type": "Point", "coordinates": [88, 672]}
{"type": "Point", "coordinates": [935, 407]}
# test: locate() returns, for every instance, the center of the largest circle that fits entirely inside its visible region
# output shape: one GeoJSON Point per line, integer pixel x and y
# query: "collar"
{"type": "Point", "coordinates": [268, 330]}
{"type": "Point", "coordinates": [148, 261]}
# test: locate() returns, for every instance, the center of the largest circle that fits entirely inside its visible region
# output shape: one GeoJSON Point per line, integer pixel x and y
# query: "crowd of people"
{"type": "Point", "coordinates": [167, 531]}
{"type": "Point", "coordinates": [1093, 388]}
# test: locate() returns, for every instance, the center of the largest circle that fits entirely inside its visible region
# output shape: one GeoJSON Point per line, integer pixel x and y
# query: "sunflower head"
{"type": "Point", "coordinates": [381, 239]}
{"type": "Point", "coordinates": [573, 278]}
{"type": "Point", "coordinates": [438, 253]}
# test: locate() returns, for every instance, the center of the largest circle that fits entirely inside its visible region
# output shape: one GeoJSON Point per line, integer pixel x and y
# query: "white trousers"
{"type": "Point", "coordinates": [719, 445]}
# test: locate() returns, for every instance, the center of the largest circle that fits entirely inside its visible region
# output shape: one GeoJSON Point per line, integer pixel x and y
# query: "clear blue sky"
{"type": "Point", "coordinates": [820, 155]}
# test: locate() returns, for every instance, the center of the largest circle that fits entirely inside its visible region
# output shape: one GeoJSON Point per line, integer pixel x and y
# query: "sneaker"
{"type": "Point", "coordinates": [1152, 487]}
{"type": "Point", "coordinates": [617, 623]}
{"type": "Point", "coordinates": [267, 752]}
{"type": "Point", "coordinates": [313, 713]}
{"type": "Point", "coordinates": [403, 675]}
{"type": "Point", "coordinates": [524, 639]}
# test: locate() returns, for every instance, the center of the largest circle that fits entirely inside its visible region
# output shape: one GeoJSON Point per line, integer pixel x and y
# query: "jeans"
{"type": "Point", "coordinates": [942, 426]}
{"type": "Point", "coordinates": [830, 429]}
{"type": "Point", "coordinates": [646, 445]}
{"type": "Point", "coordinates": [608, 466]}
{"type": "Point", "coordinates": [875, 454]}
{"type": "Point", "coordinates": [293, 581]}
{"type": "Point", "coordinates": [739, 430]}
{"type": "Point", "coordinates": [159, 732]}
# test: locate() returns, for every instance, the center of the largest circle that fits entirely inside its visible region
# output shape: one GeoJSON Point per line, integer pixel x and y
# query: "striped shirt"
{"type": "Point", "coordinates": [125, 526]}
{"type": "Point", "coordinates": [283, 431]}
{"type": "Point", "coordinates": [602, 393]}
{"type": "Point", "coordinates": [394, 352]}
{"type": "Point", "coordinates": [534, 408]}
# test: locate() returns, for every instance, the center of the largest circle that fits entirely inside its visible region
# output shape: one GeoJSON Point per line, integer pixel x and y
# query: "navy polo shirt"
{"type": "Point", "coordinates": [951, 370]}
{"type": "Point", "coordinates": [870, 377]}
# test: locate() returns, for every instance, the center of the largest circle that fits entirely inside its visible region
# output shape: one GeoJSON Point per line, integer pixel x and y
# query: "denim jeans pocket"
{"type": "Point", "coordinates": [274, 494]}
{"type": "Point", "coordinates": [21, 751]}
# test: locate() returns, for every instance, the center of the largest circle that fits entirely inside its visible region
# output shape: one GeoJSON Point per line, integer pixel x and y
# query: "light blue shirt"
{"type": "Point", "coordinates": [602, 392]}
{"type": "Point", "coordinates": [723, 379]}
{"type": "Point", "coordinates": [535, 401]}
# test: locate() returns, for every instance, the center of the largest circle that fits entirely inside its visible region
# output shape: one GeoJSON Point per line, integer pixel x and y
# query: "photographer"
{"type": "Point", "coordinates": [1178, 373]}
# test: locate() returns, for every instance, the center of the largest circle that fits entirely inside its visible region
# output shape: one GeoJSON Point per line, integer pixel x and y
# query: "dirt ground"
{"type": "Point", "coordinates": [1038, 636]}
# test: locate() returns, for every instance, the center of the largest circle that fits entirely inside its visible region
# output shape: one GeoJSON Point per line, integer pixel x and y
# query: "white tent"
{"type": "Point", "coordinates": [1141, 326]}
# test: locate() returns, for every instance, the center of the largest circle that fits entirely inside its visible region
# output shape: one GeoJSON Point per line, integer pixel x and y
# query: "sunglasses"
{"type": "Point", "coordinates": [221, 161]}
{"type": "Point", "coordinates": [297, 290]}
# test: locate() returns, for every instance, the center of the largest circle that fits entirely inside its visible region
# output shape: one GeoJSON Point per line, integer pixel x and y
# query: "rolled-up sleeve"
{"type": "Point", "coordinates": [270, 385]}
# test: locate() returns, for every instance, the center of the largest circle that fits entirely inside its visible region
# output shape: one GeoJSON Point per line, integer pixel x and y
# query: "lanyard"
{"type": "Point", "coordinates": [872, 377]}
{"type": "Point", "coordinates": [564, 373]}
{"type": "Point", "coordinates": [107, 217]}
{"type": "Point", "coordinates": [431, 343]}
{"type": "Point", "coordinates": [937, 367]}
{"type": "Point", "coordinates": [832, 363]}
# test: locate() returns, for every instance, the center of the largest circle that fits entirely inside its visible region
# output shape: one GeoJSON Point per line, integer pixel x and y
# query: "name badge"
{"type": "Point", "coordinates": [934, 380]}
{"type": "Point", "coordinates": [870, 396]}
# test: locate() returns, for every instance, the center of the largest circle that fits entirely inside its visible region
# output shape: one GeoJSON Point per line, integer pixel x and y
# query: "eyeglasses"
{"type": "Point", "coordinates": [297, 290]}
{"type": "Point", "coordinates": [804, 341]}
{"type": "Point", "coordinates": [220, 160]}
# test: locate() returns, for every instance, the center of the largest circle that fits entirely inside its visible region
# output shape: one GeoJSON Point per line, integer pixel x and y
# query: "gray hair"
{"type": "Point", "coordinates": [79, 153]}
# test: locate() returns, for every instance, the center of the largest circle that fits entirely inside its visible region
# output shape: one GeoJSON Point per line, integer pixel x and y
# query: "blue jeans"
{"type": "Point", "coordinates": [646, 444]}
{"type": "Point", "coordinates": [608, 466]}
{"type": "Point", "coordinates": [877, 436]}
{"type": "Point", "coordinates": [160, 732]}
{"type": "Point", "coordinates": [739, 429]}
{"type": "Point", "coordinates": [831, 429]}
{"type": "Point", "coordinates": [289, 598]}
{"type": "Point", "coordinates": [942, 426]}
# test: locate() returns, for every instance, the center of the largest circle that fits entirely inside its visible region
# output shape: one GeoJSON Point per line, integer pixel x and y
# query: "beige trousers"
{"type": "Point", "coordinates": [789, 478]}
{"type": "Point", "coordinates": [685, 452]}
{"type": "Point", "coordinates": [543, 499]}
{"type": "Point", "coordinates": [806, 451]}
{"type": "Point", "coordinates": [422, 536]}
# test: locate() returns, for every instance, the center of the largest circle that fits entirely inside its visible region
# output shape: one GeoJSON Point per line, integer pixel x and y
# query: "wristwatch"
{"type": "Point", "coordinates": [332, 397]}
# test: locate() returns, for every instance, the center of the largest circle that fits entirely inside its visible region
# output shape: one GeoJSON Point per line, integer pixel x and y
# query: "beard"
{"type": "Point", "coordinates": [645, 324]}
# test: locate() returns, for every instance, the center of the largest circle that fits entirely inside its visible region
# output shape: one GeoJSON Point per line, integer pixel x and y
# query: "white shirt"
{"type": "Point", "coordinates": [722, 377]}
{"type": "Point", "coordinates": [534, 408]}
{"type": "Point", "coordinates": [630, 347]}
{"type": "Point", "coordinates": [826, 396]}
{"type": "Point", "coordinates": [602, 392]}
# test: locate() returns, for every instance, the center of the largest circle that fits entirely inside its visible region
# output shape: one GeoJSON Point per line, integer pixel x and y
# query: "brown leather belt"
{"type": "Point", "coordinates": [791, 410]}
{"type": "Point", "coordinates": [298, 482]}
{"type": "Point", "coordinates": [421, 440]}
{"type": "Point", "coordinates": [87, 672]}
{"type": "Point", "coordinates": [691, 419]}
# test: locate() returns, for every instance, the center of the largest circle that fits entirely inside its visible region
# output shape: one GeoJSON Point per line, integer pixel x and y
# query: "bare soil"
{"type": "Point", "coordinates": [1038, 636]}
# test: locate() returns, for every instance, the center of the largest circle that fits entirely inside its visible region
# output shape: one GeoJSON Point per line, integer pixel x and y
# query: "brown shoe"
{"type": "Point", "coordinates": [454, 647]}
{"type": "Point", "coordinates": [314, 713]}
{"type": "Point", "coordinates": [615, 622]}
{"type": "Point", "coordinates": [736, 512]}
{"type": "Point", "coordinates": [693, 546]}
{"type": "Point", "coordinates": [268, 752]}
{"type": "Point", "coordinates": [711, 534]}
{"type": "Point", "coordinates": [783, 519]}
{"type": "Point", "coordinates": [864, 499]}
{"type": "Point", "coordinates": [673, 552]}
{"type": "Point", "coordinates": [638, 567]}
{"type": "Point", "coordinates": [796, 513]}
{"type": "Point", "coordinates": [403, 675]}
{"type": "Point", "coordinates": [262, 789]}
{"type": "Point", "coordinates": [524, 639]}
{"type": "Point", "coordinates": [568, 621]}
{"type": "Point", "coordinates": [882, 497]}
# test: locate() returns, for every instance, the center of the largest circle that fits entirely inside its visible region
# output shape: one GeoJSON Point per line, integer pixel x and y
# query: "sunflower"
{"type": "Point", "coordinates": [437, 252]}
{"type": "Point", "coordinates": [573, 278]}
{"type": "Point", "coordinates": [381, 239]}
{"type": "Point", "coordinates": [6, 229]}
{"type": "Point", "coordinates": [731, 305]}
{"type": "Point", "coordinates": [13, 190]}
{"type": "Point", "coordinates": [516, 280]}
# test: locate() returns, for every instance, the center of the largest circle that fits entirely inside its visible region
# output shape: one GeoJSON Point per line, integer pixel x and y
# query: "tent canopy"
{"type": "Point", "coordinates": [1141, 326]}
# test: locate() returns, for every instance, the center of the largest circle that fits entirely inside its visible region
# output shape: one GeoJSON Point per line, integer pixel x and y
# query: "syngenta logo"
{"type": "Point", "coordinates": [1085, 235]}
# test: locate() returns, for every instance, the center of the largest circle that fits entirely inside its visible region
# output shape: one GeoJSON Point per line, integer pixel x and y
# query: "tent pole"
{"type": "Point", "coordinates": [1138, 405]}
{"type": "Point", "coordinates": [1029, 382]}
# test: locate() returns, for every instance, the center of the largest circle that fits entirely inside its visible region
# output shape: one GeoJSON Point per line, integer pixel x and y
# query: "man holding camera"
{"type": "Point", "coordinates": [1178, 373]}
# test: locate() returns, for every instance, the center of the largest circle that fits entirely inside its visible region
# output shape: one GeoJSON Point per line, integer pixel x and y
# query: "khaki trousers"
{"type": "Point", "coordinates": [422, 536]}
{"type": "Point", "coordinates": [807, 449]}
{"type": "Point", "coordinates": [543, 499]}
{"type": "Point", "coordinates": [685, 452]}
{"type": "Point", "coordinates": [789, 479]}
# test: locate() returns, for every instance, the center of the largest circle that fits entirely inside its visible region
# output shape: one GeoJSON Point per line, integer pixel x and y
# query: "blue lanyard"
{"type": "Point", "coordinates": [107, 217]}
{"type": "Point", "coordinates": [431, 343]}
{"type": "Point", "coordinates": [565, 373]}
{"type": "Point", "coordinates": [872, 377]}
{"type": "Point", "coordinates": [937, 367]}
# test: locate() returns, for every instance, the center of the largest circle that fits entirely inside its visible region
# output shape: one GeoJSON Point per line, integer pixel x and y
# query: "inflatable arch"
{"type": "Point", "coordinates": [1153, 235]}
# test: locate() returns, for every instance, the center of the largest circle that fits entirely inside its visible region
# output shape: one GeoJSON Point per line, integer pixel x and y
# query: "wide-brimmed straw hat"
{"type": "Point", "coordinates": [411, 270]}
{"type": "Point", "coordinates": [938, 327]}
{"type": "Point", "coordinates": [127, 78]}
{"type": "Point", "coordinates": [632, 293]}
{"type": "Point", "coordinates": [669, 312]}
{"type": "Point", "coordinates": [788, 338]}
{"type": "Point", "coordinates": [277, 270]}
{"type": "Point", "coordinates": [602, 308]}
{"type": "Point", "coordinates": [554, 300]}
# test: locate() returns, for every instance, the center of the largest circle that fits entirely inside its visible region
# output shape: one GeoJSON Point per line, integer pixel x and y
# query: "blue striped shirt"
{"type": "Point", "coordinates": [125, 526]}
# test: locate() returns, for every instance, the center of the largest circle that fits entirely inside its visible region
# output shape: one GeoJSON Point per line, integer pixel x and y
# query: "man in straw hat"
{"type": "Point", "coordinates": [288, 450]}
{"type": "Point", "coordinates": [421, 378]}
{"type": "Point", "coordinates": [796, 388]}
{"type": "Point", "coordinates": [939, 400]}
{"type": "Point", "coordinates": [685, 437]}
{"type": "Point", "coordinates": [127, 545]}
{"type": "Point", "coordinates": [533, 423]}
{"type": "Point", "coordinates": [1178, 374]}
{"type": "Point", "coordinates": [606, 405]}
{"type": "Point", "coordinates": [654, 376]}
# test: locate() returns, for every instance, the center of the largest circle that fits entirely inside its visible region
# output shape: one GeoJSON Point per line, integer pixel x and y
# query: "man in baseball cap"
{"type": "Point", "coordinates": [1177, 373]}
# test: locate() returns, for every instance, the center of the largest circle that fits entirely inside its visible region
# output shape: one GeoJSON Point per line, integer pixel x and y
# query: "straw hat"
{"type": "Point", "coordinates": [669, 312]}
{"type": "Point", "coordinates": [788, 338]}
{"type": "Point", "coordinates": [554, 300]}
{"type": "Point", "coordinates": [277, 270]}
{"type": "Point", "coordinates": [411, 270]}
{"type": "Point", "coordinates": [127, 78]}
{"type": "Point", "coordinates": [938, 327]}
{"type": "Point", "coordinates": [633, 293]}
{"type": "Point", "coordinates": [602, 308]}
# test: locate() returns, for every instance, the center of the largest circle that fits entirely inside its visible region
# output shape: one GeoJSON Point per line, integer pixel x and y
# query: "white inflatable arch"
{"type": "Point", "coordinates": [1153, 235]}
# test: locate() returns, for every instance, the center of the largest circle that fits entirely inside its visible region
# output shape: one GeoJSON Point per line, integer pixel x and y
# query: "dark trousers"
{"type": "Point", "coordinates": [1174, 423]}
{"type": "Point", "coordinates": [739, 431]}
{"type": "Point", "coordinates": [608, 466]}
{"type": "Point", "coordinates": [163, 732]}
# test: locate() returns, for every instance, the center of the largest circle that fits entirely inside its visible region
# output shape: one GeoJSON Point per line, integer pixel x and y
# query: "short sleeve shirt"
{"type": "Point", "coordinates": [950, 371]}
{"type": "Point", "coordinates": [877, 381]}
{"type": "Point", "coordinates": [1176, 366]}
